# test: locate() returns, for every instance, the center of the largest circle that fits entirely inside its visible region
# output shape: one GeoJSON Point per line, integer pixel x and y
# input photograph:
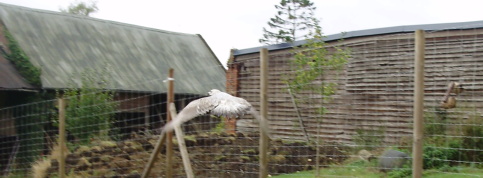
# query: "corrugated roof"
{"type": "Point", "coordinates": [64, 44]}
{"type": "Point", "coordinates": [370, 32]}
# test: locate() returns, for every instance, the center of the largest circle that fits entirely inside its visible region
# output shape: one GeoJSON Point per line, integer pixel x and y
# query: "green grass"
{"type": "Point", "coordinates": [462, 172]}
{"type": "Point", "coordinates": [334, 171]}
{"type": "Point", "coordinates": [363, 172]}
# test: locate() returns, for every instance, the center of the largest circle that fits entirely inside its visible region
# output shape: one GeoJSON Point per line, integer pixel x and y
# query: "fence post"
{"type": "Point", "coordinates": [169, 135]}
{"type": "Point", "coordinates": [263, 112]}
{"type": "Point", "coordinates": [61, 102]}
{"type": "Point", "coordinates": [182, 145]}
{"type": "Point", "coordinates": [164, 137]}
{"type": "Point", "coordinates": [418, 107]}
{"type": "Point", "coordinates": [152, 158]}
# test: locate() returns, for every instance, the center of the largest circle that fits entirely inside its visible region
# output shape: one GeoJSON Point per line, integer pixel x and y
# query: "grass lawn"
{"type": "Point", "coordinates": [364, 172]}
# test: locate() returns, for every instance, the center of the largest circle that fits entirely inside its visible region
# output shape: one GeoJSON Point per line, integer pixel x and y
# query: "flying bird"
{"type": "Point", "coordinates": [218, 103]}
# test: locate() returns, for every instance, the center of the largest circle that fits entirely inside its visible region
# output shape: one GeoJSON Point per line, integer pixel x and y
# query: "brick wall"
{"type": "Point", "coordinates": [232, 89]}
{"type": "Point", "coordinates": [232, 76]}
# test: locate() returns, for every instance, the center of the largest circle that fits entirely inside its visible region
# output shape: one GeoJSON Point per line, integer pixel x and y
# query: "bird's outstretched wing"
{"type": "Point", "coordinates": [229, 106]}
{"type": "Point", "coordinates": [220, 104]}
{"type": "Point", "coordinates": [193, 109]}
{"type": "Point", "coordinates": [263, 123]}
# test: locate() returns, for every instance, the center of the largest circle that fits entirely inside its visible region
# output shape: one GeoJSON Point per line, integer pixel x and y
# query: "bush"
{"type": "Point", "coordinates": [472, 142]}
{"type": "Point", "coordinates": [436, 157]}
{"type": "Point", "coordinates": [435, 122]}
{"type": "Point", "coordinates": [400, 173]}
{"type": "Point", "coordinates": [90, 109]}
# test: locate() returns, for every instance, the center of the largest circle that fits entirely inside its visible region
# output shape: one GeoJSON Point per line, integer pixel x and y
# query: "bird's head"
{"type": "Point", "coordinates": [213, 91]}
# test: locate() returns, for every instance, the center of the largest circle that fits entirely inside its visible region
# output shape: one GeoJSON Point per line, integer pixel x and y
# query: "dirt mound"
{"type": "Point", "coordinates": [211, 154]}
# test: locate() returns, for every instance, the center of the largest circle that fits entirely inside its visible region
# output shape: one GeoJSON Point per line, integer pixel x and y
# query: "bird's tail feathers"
{"type": "Point", "coordinates": [263, 123]}
{"type": "Point", "coordinates": [171, 125]}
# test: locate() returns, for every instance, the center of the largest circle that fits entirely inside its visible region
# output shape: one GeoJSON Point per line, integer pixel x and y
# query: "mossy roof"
{"type": "Point", "coordinates": [138, 58]}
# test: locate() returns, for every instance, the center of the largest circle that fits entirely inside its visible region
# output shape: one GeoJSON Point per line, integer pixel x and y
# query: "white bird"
{"type": "Point", "coordinates": [218, 103]}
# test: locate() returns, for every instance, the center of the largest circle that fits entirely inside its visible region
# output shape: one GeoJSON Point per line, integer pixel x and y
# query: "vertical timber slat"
{"type": "Point", "coordinates": [182, 145]}
{"type": "Point", "coordinates": [62, 139]}
{"type": "Point", "coordinates": [263, 112]}
{"type": "Point", "coordinates": [163, 136]}
{"type": "Point", "coordinates": [169, 135]}
{"type": "Point", "coordinates": [418, 104]}
{"type": "Point", "coordinates": [152, 158]}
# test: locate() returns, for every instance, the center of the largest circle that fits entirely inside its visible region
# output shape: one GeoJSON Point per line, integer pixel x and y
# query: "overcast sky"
{"type": "Point", "coordinates": [227, 24]}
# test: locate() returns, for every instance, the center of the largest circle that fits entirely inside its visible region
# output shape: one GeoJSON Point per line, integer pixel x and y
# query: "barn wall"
{"type": "Point", "coordinates": [133, 102]}
{"type": "Point", "coordinates": [7, 123]}
{"type": "Point", "coordinates": [375, 89]}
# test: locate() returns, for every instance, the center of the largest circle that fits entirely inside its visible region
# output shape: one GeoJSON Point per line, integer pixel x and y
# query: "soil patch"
{"type": "Point", "coordinates": [211, 155]}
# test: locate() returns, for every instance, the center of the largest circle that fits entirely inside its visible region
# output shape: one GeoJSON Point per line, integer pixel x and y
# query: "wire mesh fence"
{"type": "Point", "coordinates": [453, 137]}
{"type": "Point", "coordinates": [362, 125]}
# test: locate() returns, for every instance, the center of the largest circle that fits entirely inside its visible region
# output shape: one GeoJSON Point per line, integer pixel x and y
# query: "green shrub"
{"type": "Point", "coordinates": [435, 122]}
{"type": "Point", "coordinates": [91, 109]}
{"type": "Point", "coordinates": [400, 173]}
{"type": "Point", "coordinates": [220, 127]}
{"type": "Point", "coordinates": [436, 157]}
{"type": "Point", "coordinates": [472, 141]}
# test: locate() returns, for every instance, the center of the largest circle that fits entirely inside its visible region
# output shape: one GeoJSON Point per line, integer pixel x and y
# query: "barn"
{"type": "Point", "coordinates": [374, 90]}
{"type": "Point", "coordinates": [135, 60]}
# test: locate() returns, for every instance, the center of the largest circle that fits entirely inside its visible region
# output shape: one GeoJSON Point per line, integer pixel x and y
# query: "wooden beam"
{"type": "Point", "coordinates": [169, 135]}
{"type": "Point", "coordinates": [263, 112]}
{"type": "Point", "coordinates": [62, 138]}
{"type": "Point", "coordinates": [154, 154]}
{"type": "Point", "coordinates": [182, 145]}
{"type": "Point", "coordinates": [418, 104]}
{"type": "Point", "coordinates": [163, 138]}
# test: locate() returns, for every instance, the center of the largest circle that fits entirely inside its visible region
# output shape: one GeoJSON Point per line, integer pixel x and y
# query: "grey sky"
{"type": "Point", "coordinates": [227, 24]}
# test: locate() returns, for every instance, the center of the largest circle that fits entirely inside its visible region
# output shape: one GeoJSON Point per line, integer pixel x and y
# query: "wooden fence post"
{"type": "Point", "coordinates": [418, 107]}
{"type": "Point", "coordinates": [182, 145]}
{"type": "Point", "coordinates": [152, 158]}
{"type": "Point", "coordinates": [164, 137]}
{"type": "Point", "coordinates": [62, 144]}
{"type": "Point", "coordinates": [263, 173]}
{"type": "Point", "coordinates": [169, 135]}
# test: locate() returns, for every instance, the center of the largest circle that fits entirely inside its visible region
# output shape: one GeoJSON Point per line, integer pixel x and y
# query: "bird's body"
{"type": "Point", "coordinates": [218, 103]}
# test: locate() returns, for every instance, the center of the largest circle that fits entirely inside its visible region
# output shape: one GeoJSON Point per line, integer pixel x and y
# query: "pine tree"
{"type": "Point", "coordinates": [311, 61]}
{"type": "Point", "coordinates": [293, 20]}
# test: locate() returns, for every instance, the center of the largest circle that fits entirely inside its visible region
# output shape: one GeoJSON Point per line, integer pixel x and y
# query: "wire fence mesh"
{"type": "Point", "coordinates": [365, 128]}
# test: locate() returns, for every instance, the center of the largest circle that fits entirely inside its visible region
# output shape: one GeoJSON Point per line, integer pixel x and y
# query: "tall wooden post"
{"type": "Point", "coordinates": [152, 158]}
{"type": "Point", "coordinates": [62, 139]}
{"type": "Point", "coordinates": [169, 135]}
{"type": "Point", "coordinates": [182, 145]}
{"type": "Point", "coordinates": [418, 104]}
{"type": "Point", "coordinates": [263, 112]}
{"type": "Point", "coordinates": [163, 138]}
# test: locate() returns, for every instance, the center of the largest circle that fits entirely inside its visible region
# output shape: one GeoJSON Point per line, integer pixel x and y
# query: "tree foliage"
{"type": "Point", "coordinates": [81, 8]}
{"type": "Point", "coordinates": [312, 60]}
{"type": "Point", "coordinates": [91, 108]}
{"type": "Point", "coordinates": [294, 18]}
